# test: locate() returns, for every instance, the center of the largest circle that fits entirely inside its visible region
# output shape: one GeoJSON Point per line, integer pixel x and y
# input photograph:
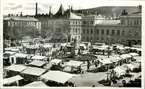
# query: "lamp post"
{"type": "Point", "coordinates": [108, 46]}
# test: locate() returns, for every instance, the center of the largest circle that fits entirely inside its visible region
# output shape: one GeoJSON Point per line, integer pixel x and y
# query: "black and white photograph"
{"type": "Point", "coordinates": [65, 43]}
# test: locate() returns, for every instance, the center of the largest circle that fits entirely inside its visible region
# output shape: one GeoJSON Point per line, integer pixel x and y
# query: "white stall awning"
{"type": "Point", "coordinates": [21, 55]}
{"type": "Point", "coordinates": [36, 84]}
{"type": "Point", "coordinates": [39, 57]}
{"type": "Point", "coordinates": [74, 63]}
{"type": "Point", "coordinates": [57, 76]}
{"type": "Point", "coordinates": [34, 71]}
{"type": "Point", "coordinates": [17, 68]}
{"type": "Point", "coordinates": [133, 54]}
{"type": "Point", "coordinates": [56, 61]}
{"type": "Point", "coordinates": [37, 63]}
{"type": "Point", "coordinates": [124, 56]}
{"type": "Point", "coordinates": [12, 79]}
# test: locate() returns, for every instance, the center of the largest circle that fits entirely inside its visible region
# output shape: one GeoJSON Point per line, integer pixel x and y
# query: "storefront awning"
{"type": "Point", "coordinates": [12, 79]}
{"type": "Point", "coordinates": [57, 76]}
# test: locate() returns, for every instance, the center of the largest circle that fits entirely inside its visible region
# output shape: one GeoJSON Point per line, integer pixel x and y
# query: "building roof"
{"type": "Point", "coordinates": [74, 16]}
{"type": "Point", "coordinates": [109, 22]}
{"type": "Point", "coordinates": [20, 18]}
{"type": "Point", "coordinates": [60, 12]}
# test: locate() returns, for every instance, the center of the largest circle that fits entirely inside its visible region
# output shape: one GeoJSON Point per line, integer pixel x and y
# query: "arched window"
{"type": "Point", "coordinates": [102, 39]}
{"type": "Point", "coordinates": [102, 31]}
{"type": "Point", "coordinates": [107, 32]}
{"type": "Point", "coordinates": [113, 32]}
{"type": "Point", "coordinates": [118, 32]}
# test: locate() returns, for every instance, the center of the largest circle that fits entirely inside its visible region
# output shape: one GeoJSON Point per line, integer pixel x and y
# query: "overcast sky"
{"type": "Point", "coordinates": [28, 6]}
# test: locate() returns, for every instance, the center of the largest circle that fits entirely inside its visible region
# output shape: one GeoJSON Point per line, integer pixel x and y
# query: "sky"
{"type": "Point", "coordinates": [28, 6]}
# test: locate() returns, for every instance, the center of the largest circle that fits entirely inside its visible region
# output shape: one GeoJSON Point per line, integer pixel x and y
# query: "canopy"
{"type": "Point", "coordinates": [12, 79]}
{"type": "Point", "coordinates": [12, 49]}
{"type": "Point", "coordinates": [115, 59]}
{"type": "Point", "coordinates": [119, 70]}
{"type": "Point", "coordinates": [9, 53]}
{"type": "Point", "coordinates": [17, 68]}
{"type": "Point", "coordinates": [37, 63]}
{"type": "Point", "coordinates": [21, 55]}
{"type": "Point", "coordinates": [131, 66]}
{"type": "Point", "coordinates": [74, 63]}
{"type": "Point", "coordinates": [47, 46]}
{"type": "Point", "coordinates": [124, 56]}
{"type": "Point", "coordinates": [36, 84]}
{"type": "Point", "coordinates": [56, 61]}
{"type": "Point", "coordinates": [105, 61]}
{"type": "Point", "coordinates": [57, 76]}
{"type": "Point", "coordinates": [34, 71]}
{"type": "Point", "coordinates": [133, 54]}
{"type": "Point", "coordinates": [39, 57]}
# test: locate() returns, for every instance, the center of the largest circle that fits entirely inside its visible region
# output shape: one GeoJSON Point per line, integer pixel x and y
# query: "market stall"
{"type": "Point", "coordinates": [36, 84]}
{"type": "Point", "coordinates": [119, 71]}
{"type": "Point", "coordinates": [126, 58]}
{"type": "Point", "coordinates": [104, 64]}
{"type": "Point", "coordinates": [32, 73]}
{"type": "Point", "coordinates": [53, 76]}
{"type": "Point", "coordinates": [37, 63]}
{"type": "Point", "coordinates": [42, 58]}
{"type": "Point", "coordinates": [7, 60]}
{"type": "Point", "coordinates": [12, 81]}
{"type": "Point", "coordinates": [20, 58]}
{"type": "Point", "coordinates": [14, 69]}
{"type": "Point", "coordinates": [73, 66]}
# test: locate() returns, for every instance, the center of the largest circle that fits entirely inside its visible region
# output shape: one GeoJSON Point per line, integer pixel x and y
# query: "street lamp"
{"type": "Point", "coordinates": [108, 46]}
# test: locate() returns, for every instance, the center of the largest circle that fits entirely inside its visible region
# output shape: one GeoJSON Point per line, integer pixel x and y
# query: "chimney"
{"type": "Point", "coordinates": [21, 14]}
{"type": "Point", "coordinates": [36, 13]}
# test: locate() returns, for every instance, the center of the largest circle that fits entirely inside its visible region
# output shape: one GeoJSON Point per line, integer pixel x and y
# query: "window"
{"type": "Point", "coordinates": [130, 33]}
{"type": "Point", "coordinates": [90, 38]}
{"type": "Point", "coordinates": [76, 30]}
{"type": "Point", "coordinates": [84, 31]}
{"type": "Point", "coordinates": [97, 38]}
{"type": "Point", "coordinates": [91, 31]}
{"type": "Point", "coordinates": [87, 31]}
{"type": "Point", "coordinates": [76, 22]}
{"type": "Point", "coordinates": [136, 33]}
{"type": "Point", "coordinates": [97, 31]}
{"type": "Point", "coordinates": [84, 22]}
{"type": "Point", "coordinates": [122, 22]}
{"type": "Point", "coordinates": [91, 22]}
{"type": "Point", "coordinates": [113, 32]}
{"type": "Point", "coordinates": [87, 38]}
{"type": "Point", "coordinates": [118, 32]}
{"type": "Point", "coordinates": [107, 32]}
{"type": "Point", "coordinates": [123, 32]}
{"type": "Point", "coordinates": [102, 31]}
{"type": "Point", "coordinates": [102, 38]}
